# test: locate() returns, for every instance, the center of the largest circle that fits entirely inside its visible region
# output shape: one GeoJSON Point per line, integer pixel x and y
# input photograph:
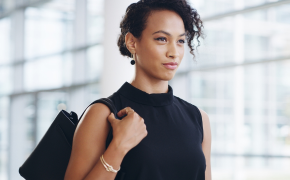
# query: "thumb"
{"type": "Point", "coordinates": [111, 118]}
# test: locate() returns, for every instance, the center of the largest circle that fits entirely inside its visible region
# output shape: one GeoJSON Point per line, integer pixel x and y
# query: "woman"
{"type": "Point", "coordinates": [160, 135]}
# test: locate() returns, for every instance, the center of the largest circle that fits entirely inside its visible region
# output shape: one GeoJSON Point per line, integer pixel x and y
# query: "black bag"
{"type": "Point", "coordinates": [50, 158]}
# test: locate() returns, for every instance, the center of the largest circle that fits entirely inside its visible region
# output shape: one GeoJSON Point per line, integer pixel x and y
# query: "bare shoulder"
{"type": "Point", "coordinates": [205, 118]}
{"type": "Point", "coordinates": [93, 114]}
{"type": "Point", "coordinates": [206, 124]}
{"type": "Point", "coordinates": [89, 141]}
{"type": "Point", "coordinates": [206, 143]}
{"type": "Point", "coordinates": [94, 124]}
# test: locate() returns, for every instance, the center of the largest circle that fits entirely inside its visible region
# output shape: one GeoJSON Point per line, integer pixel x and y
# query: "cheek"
{"type": "Point", "coordinates": [152, 53]}
{"type": "Point", "coordinates": [156, 51]}
{"type": "Point", "coordinates": [181, 52]}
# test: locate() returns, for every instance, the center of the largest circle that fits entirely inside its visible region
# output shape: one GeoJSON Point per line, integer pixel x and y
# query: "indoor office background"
{"type": "Point", "coordinates": [62, 54]}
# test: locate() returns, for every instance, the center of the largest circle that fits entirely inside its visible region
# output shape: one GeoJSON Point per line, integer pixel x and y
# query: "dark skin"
{"type": "Point", "coordinates": [162, 41]}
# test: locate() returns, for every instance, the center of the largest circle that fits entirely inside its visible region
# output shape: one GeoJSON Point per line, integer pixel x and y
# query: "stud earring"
{"type": "Point", "coordinates": [133, 59]}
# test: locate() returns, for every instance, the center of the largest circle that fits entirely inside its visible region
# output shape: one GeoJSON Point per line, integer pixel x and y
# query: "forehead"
{"type": "Point", "coordinates": [165, 20]}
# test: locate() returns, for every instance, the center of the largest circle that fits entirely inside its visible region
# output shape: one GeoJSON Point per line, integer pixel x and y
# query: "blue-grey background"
{"type": "Point", "coordinates": [62, 54]}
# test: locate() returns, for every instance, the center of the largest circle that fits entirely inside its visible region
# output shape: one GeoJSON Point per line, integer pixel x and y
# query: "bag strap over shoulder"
{"type": "Point", "coordinates": [107, 101]}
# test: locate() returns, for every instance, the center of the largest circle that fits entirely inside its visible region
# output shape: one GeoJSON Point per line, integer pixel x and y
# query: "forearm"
{"type": "Point", "coordinates": [113, 156]}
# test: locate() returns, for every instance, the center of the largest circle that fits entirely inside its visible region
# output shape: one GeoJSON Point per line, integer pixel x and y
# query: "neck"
{"type": "Point", "coordinates": [150, 86]}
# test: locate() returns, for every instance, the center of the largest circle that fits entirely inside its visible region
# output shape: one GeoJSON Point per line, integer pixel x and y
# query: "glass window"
{"type": "Point", "coordinates": [213, 92]}
{"type": "Point", "coordinates": [95, 57]}
{"type": "Point", "coordinates": [256, 36]}
{"type": "Point", "coordinates": [250, 3]}
{"type": "Point", "coordinates": [93, 93]}
{"type": "Point", "coordinates": [248, 104]}
{"type": "Point", "coordinates": [48, 106]}
{"type": "Point", "coordinates": [5, 80]}
{"type": "Point", "coordinates": [21, 132]}
{"type": "Point", "coordinates": [267, 98]}
{"type": "Point", "coordinates": [209, 7]}
{"type": "Point", "coordinates": [28, 121]}
{"type": "Point", "coordinates": [50, 103]}
{"type": "Point", "coordinates": [67, 69]}
{"type": "Point", "coordinates": [4, 110]}
{"type": "Point", "coordinates": [47, 73]}
{"type": "Point", "coordinates": [95, 20]}
{"type": "Point", "coordinates": [267, 38]}
{"type": "Point", "coordinates": [5, 40]}
{"type": "Point", "coordinates": [49, 28]}
{"type": "Point", "coordinates": [6, 5]}
{"type": "Point", "coordinates": [283, 14]}
{"type": "Point", "coordinates": [218, 47]}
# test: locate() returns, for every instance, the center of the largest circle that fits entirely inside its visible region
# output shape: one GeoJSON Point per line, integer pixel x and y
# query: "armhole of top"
{"type": "Point", "coordinates": [110, 134]}
{"type": "Point", "coordinates": [200, 123]}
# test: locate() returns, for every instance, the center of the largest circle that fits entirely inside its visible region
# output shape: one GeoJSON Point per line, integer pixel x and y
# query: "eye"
{"type": "Point", "coordinates": [181, 41]}
{"type": "Point", "coordinates": [161, 38]}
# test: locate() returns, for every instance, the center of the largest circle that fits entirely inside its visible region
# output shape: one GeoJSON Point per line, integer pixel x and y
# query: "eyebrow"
{"type": "Point", "coordinates": [164, 32]}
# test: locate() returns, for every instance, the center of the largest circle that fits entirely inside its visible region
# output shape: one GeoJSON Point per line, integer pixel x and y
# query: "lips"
{"type": "Point", "coordinates": [170, 65]}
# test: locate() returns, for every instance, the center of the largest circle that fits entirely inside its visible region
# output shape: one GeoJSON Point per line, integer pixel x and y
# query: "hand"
{"type": "Point", "coordinates": [129, 131]}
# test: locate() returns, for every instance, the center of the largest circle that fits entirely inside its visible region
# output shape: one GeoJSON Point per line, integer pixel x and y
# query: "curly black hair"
{"type": "Point", "coordinates": [136, 16]}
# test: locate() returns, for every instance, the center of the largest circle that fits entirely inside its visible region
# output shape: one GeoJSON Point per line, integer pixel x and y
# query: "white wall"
{"type": "Point", "coordinates": [117, 68]}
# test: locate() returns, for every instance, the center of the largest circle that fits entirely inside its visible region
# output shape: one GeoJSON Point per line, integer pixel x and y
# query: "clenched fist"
{"type": "Point", "coordinates": [129, 131]}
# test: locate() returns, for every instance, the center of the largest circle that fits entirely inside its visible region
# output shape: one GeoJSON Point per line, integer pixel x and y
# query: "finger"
{"type": "Point", "coordinates": [125, 111]}
{"type": "Point", "coordinates": [142, 120]}
{"type": "Point", "coordinates": [111, 117]}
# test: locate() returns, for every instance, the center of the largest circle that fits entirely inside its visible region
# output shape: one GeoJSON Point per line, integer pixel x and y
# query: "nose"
{"type": "Point", "coordinates": [172, 51]}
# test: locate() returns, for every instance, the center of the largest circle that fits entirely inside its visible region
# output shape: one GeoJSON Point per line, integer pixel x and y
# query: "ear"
{"type": "Point", "coordinates": [130, 41]}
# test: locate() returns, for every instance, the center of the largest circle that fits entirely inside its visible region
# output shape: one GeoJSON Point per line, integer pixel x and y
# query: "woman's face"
{"type": "Point", "coordinates": [162, 41]}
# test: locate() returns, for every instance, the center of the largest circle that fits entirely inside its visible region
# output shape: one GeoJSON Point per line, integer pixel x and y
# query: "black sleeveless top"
{"type": "Point", "coordinates": [172, 148]}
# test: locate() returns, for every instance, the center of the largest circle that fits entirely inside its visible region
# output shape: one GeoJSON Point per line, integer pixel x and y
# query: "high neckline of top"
{"type": "Point", "coordinates": [142, 97]}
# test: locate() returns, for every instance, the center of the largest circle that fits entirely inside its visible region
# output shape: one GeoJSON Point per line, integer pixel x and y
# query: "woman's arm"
{"type": "Point", "coordinates": [89, 144]}
{"type": "Point", "coordinates": [206, 144]}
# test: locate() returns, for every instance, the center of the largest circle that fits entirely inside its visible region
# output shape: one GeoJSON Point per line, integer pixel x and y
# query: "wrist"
{"type": "Point", "coordinates": [113, 157]}
{"type": "Point", "coordinates": [116, 146]}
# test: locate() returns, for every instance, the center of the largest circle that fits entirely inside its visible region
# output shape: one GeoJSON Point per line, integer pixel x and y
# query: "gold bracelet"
{"type": "Point", "coordinates": [107, 166]}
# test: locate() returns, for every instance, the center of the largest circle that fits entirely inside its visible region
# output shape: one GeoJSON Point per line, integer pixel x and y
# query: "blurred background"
{"type": "Point", "coordinates": [62, 54]}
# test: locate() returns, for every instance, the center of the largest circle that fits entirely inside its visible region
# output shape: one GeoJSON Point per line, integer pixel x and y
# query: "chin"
{"type": "Point", "coordinates": [164, 75]}
{"type": "Point", "coordinates": [167, 78]}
